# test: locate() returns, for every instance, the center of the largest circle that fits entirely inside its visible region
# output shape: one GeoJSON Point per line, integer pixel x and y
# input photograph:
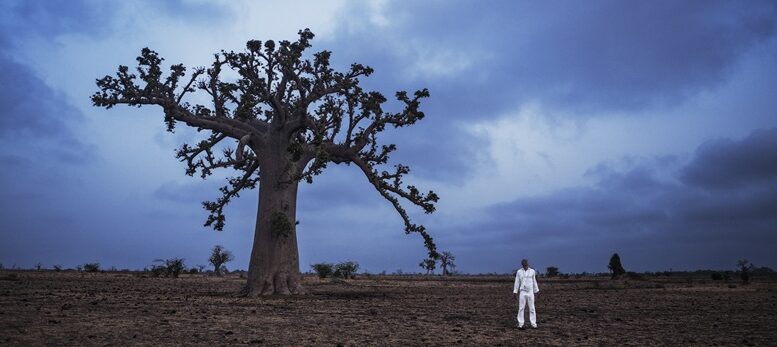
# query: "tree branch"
{"type": "Point", "coordinates": [216, 217]}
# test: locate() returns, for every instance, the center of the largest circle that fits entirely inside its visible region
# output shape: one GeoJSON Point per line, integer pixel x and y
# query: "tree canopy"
{"type": "Point", "coordinates": [280, 99]}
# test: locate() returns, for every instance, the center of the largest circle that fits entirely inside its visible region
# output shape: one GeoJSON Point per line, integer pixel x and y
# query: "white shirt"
{"type": "Point", "coordinates": [526, 281]}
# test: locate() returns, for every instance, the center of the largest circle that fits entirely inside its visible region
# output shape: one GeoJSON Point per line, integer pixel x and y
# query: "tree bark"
{"type": "Point", "coordinates": [274, 264]}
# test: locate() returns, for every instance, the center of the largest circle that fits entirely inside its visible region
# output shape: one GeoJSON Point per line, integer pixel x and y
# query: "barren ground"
{"type": "Point", "coordinates": [68, 308]}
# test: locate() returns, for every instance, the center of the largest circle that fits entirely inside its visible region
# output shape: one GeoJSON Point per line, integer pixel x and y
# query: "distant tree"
{"type": "Point", "coordinates": [38, 266]}
{"type": "Point", "coordinates": [92, 267]}
{"type": "Point", "coordinates": [447, 262]}
{"type": "Point", "coordinates": [429, 265]}
{"type": "Point", "coordinates": [218, 257]}
{"type": "Point", "coordinates": [1, 266]}
{"type": "Point", "coordinates": [745, 267]}
{"type": "Point", "coordinates": [200, 268]}
{"type": "Point", "coordinates": [615, 267]}
{"type": "Point", "coordinates": [174, 267]}
{"type": "Point", "coordinates": [323, 270]}
{"type": "Point", "coordinates": [289, 115]}
{"type": "Point", "coordinates": [551, 271]}
{"type": "Point", "coordinates": [159, 269]}
{"type": "Point", "coordinates": [346, 269]}
{"type": "Point", "coordinates": [57, 268]}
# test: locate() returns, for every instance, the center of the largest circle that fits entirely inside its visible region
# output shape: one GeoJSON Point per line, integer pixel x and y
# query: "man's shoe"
{"type": "Point", "coordinates": [534, 327]}
{"type": "Point", "coordinates": [520, 327]}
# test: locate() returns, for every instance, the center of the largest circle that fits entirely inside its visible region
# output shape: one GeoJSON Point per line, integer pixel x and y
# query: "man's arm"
{"type": "Point", "coordinates": [517, 284]}
{"type": "Point", "coordinates": [536, 285]}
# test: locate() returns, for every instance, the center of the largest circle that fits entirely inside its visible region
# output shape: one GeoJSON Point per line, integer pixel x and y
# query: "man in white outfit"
{"type": "Point", "coordinates": [526, 286]}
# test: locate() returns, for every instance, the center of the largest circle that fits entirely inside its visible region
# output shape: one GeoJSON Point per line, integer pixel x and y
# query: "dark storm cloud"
{"type": "Point", "coordinates": [34, 113]}
{"type": "Point", "coordinates": [657, 222]}
{"type": "Point", "coordinates": [606, 55]}
{"type": "Point", "coordinates": [728, 164]}
{"type": "Point", "coordinates": [483, 61]}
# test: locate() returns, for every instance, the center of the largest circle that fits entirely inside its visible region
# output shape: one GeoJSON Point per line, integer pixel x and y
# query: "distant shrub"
{"type": "Point", "coordinates": [716, 276]}
{"type": "Point", "coordinates": [172, 267]}
{"type": "Point", "coordinates": [745, 267]}
{"type": "Point", "coordinates": [551, 271]}
{"type": "Point", "coordinates": [57, 268]}
{"type": "Point", "coordinates": [323, 270]}
{"type": "Point", "coordinates": [91, 267]}
{"type": "Point", "coordinates": [615, 266]}
{"type": "Point", "coordinates": [346, 269]}
{"type": "Point", "coordinates": [38, 266]}
{"type": "Point", "coordinates": [157, 270]}
{"type": "Point", "coordinates": [193, 271]}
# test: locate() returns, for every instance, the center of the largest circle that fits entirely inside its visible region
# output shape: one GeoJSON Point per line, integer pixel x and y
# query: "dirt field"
{"type": "Point", "coordinates": [50, 308]}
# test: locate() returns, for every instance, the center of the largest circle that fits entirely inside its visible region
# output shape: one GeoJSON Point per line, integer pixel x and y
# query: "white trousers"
{"type": "Point", "coordinates": [523, 299]}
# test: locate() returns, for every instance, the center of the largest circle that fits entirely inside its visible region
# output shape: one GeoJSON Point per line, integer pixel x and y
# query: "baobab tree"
{"type": "Point", "coordinates": [288, 116]}
{"type": "Point", "coordinates": [447, 262]}
{"type": "Point", "coordinates": [218, 257]}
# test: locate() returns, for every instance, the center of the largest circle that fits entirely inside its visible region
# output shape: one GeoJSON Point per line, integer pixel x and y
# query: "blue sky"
{"type": "Point", "coordinates": [556, 131]}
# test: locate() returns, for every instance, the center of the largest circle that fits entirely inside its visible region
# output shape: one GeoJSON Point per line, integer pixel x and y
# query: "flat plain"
{"type": "Point", "coordinates": [72, 308]}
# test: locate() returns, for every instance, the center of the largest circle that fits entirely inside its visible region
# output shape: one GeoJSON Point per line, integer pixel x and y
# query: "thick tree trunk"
{"type": "Point", "coordinates": [274, 264]}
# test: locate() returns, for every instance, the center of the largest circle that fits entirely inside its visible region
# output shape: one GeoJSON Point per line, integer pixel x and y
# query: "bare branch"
{"type": "Point", "coordinates": [216, 217]}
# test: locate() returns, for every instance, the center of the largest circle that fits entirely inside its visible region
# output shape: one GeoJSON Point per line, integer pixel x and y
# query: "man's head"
{"type": "Point", "coordinates": [525, 264]}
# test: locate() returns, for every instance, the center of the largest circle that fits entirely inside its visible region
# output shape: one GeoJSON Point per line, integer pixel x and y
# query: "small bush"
{"type": "Point", "coordinates": [716, 276]}
{"type": "Point", "coordinates": [346, 269]}
{"type": "Point", "coordinates": [615, 266]}
{"type": "Point", "coordinates": [174, 267]}
{"type": "Point", "coordinates": [57, 268]}
{"type": "Point", "coordinates": [551, 271]}
{"type": "Point", "coordinates": [168, 268]}
{"type": "Point", "coordinates": [91, 267]}
{"type": "Point", "coordinates": [158, 270]}
{"type": "Point", "coordinates": [38, 266]}
{"type": "Point", "coordinates": [323, 270]}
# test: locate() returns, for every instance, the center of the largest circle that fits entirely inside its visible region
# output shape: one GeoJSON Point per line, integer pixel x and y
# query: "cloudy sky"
{"type": "Point", "coordinates": [557, 131]}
